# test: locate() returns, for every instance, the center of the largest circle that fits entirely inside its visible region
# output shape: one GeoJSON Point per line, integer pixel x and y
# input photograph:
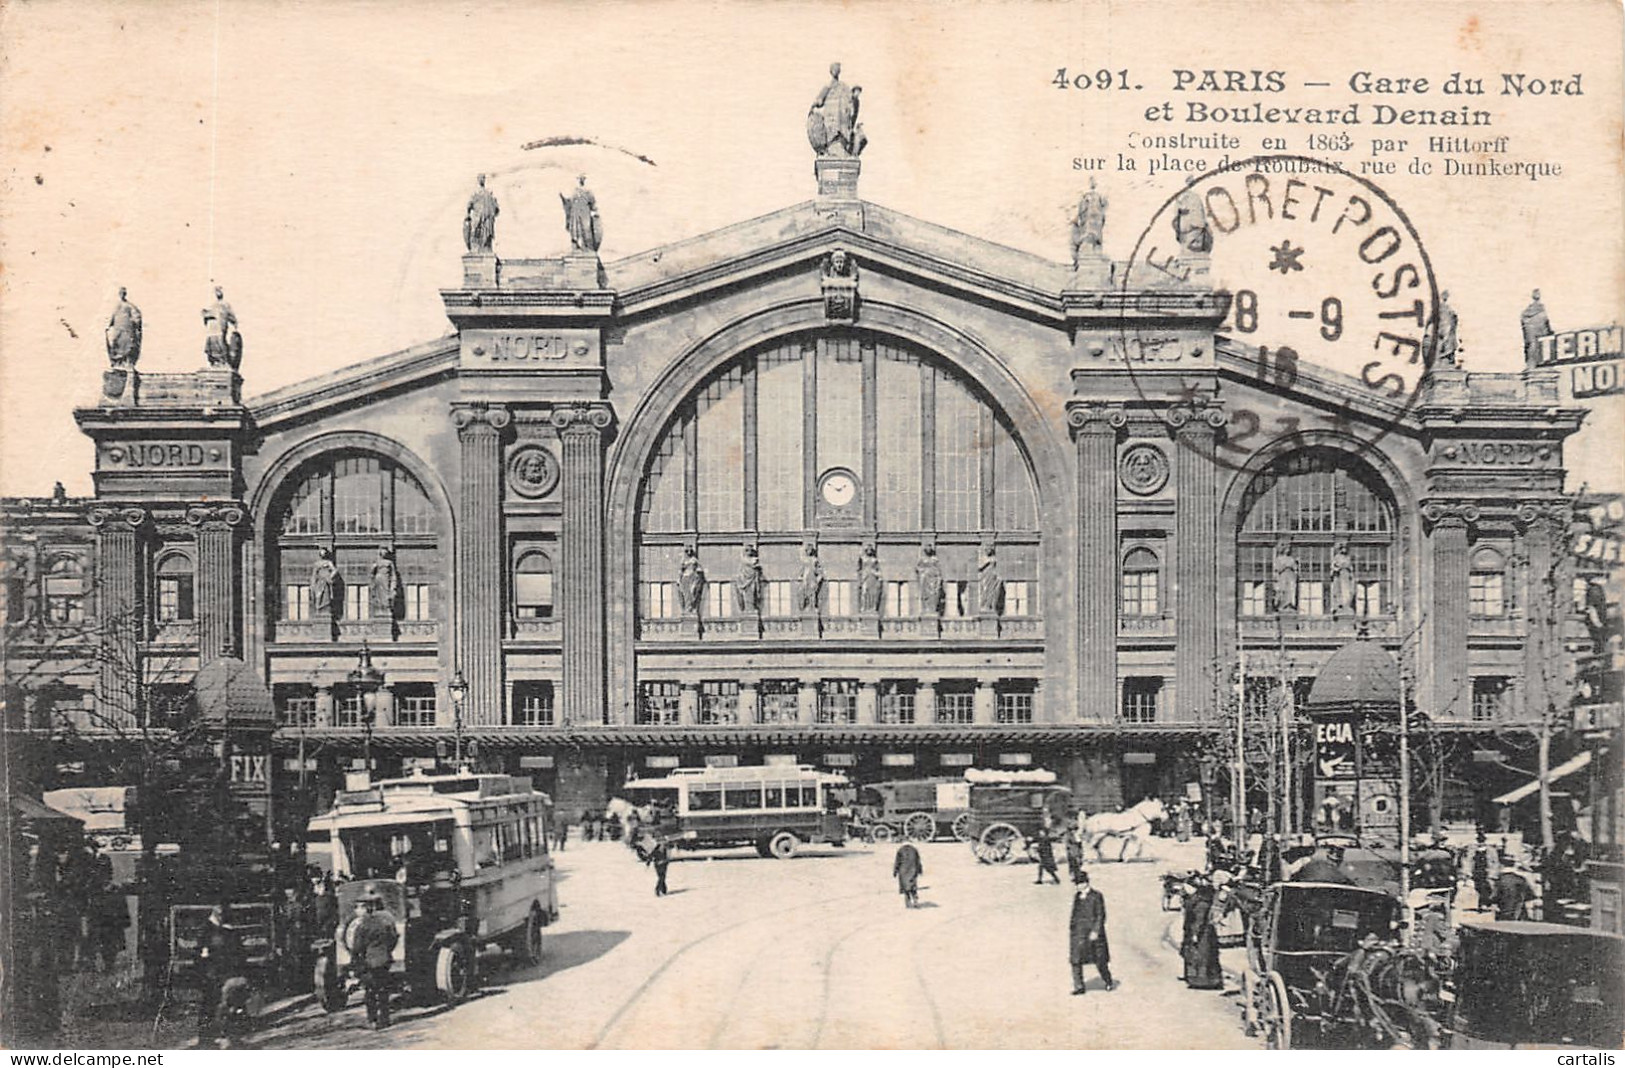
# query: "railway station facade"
{"type": "Point", "coordinates": [832, 486]}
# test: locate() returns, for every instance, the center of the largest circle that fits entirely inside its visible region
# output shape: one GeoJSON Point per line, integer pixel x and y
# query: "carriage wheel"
{"type": "Point", "coordinates": [329, 985]}
{"type": "Point", "coordinates": [998, 844]}
{"type": "Point", "coordinates": [881, 832]}
{"type": "Point", "coordinates": [961, 826]}
{"type": "Point", "coordinates": [920, 827]}
{"type": "Point", "coordinates": [1249, 1003]}
{"type": "Point", "coordinates": [1277, 1014]}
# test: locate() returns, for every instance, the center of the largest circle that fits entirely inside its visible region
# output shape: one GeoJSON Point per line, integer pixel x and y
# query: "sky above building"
{"type": "Point", "coordinates": [314, 160]}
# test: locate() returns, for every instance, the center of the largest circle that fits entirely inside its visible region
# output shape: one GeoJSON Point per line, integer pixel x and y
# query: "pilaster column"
{"type": "Point", "coordinates": [581, 593]}
{"type": "Point", "coordinates": [688, 704]}
{"type": "Point", "coordinates": [1546, 603]}
{"type": "Point", "coordinates": [1196, 644]}
{"type": "Point", "coordinates": [118, 574]}
{"type": "Point", "coordinates": [868, 702]}
{"type": "Point", "coordinates": [983, 703]}
{"type": "Point", "coordinates": [749, 701]}
{"type": "Point", "coordinates": [1094, 430]}
{"type": "Point", "coordinates": [807, 702]}
{"type": "Point", "coordinates": [324, 706]}
{"type": "Point", "coordinates": [480, 574]}
{"type": "Point", "coordinates": [216, 528]}
{"type": "Point", "coordinates": [925, 702]}
{"type": "Point", "coordinates": [1449, 520]}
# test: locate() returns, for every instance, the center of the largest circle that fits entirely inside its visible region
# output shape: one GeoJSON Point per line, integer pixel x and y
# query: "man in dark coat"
{"type": "Point", "coordinates": [372, 944]}
{"type": "Point", "coordinates": [1089, 945]}
{"type": "Point", "coordinates": [1200, 945]}
{"type": "Point", "coordinates": [1074, 852]}
{"type": "Point", "coordinates": [1046, 856]}
{"type": "Point", "coordinates": [1324, 867]}
{"type": "Point", "coordinates": [907, 868]}
{"type": "Point", "coordinates": [659, 855]}
{"type": "Point", "coordinates": [220, 961]}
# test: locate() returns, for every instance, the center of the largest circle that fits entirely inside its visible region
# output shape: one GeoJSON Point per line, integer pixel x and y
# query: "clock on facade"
{"type": "Point", "coordinates": [838, 487]}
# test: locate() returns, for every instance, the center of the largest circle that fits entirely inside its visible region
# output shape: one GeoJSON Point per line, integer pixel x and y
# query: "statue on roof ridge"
{"type": "Point", "coordinates": [832, 121]}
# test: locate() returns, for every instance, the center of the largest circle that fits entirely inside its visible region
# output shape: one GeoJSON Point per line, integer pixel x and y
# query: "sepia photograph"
{"type": "Point", "coordinates": [1000, 524]}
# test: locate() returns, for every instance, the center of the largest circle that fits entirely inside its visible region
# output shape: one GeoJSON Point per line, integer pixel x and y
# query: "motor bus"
{"type": "Point", "coordinates": [461, 862]}
{"type": "Point", "coordinates": [776, 808]}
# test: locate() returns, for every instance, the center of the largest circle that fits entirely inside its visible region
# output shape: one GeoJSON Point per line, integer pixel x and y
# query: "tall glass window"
{"type": "Point", "coordinates": [779, 440]}
{"type": "Point", "coordinates": [958, 456]}
{"type": "Point", "coordinates": [720, 441]}
{"type": "Point", "coordinates": [663, 493]}
{"type": "Point", "coordinates": [840, 406]}
{"type": "Point", "coordinates": [897, 454]}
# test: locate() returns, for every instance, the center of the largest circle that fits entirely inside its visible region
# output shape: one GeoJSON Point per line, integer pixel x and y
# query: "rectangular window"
{"type": "Point", "coordinates": [705, 798]}
{"type": "Point", "coordinates": [347, 708]}
{"type": "Point", "coordinates": [719, 600]}
{"type": "Point", "coordinates": [415, 704]}
{"type": "Point", "coordinates": [305, 508]}
{"type": "Point", "coordinates": [174, 598]}
{"type": "Point", "coordinates": [357, 600]}
{"type": "Point", "coordinates": [958, 457]}
{"type": "Point", "coordinates": [956, 704]}
{"type": "Point", "coordinates": [719, 703]}
{"type": "Point", "coordinates": [1255, 600]}
{"type": "Point", "coordinates": [897, 701]}
{"type": "Point", "coordinates": [781, 598]}
{"type": "Point", "coordinates": [296, 603]}
{"type": "Point", "coordinates": [1314, 568]}
{"type": "Point", "coordinates": [840, 405]}
{"type": "Point", "coordinates": [533, 594]}
{"type": "Point", "coordinates": [1486, 593]}
{"type": "Point", "coordinates": [779, 433]}
{"type": "Point", "coordinates": [1018, 598]}
{"type": "Point", "coordinates": [1140, 593]}
{"type": "Point", "coordinates": [1253, 576]}
{"type": "Point", "coordinates": [663, 490]}
{"type": "Point", "coordinates": [1368, 598]}
{"type": "Point", "coordinates": [1490, 698]}
{"type": "Point", "coordinates": [413, 514]}
{"type": "Point", "coordinates": [659, 704]}
{"type": "Point", "coordinates": [295, 704]}
{"type": "Point", "coordinates": [743, 795]}
{"type": "Point", "coordinates": [660, 600]}
{"type": "Point", "coordinates": [838, 598]}
{"type": "Point", "coordinates": [899, 600]}
{"type": "Point", "coordinates": [1140, 700]}
{"type": "Point", "coordinates": [170, 705]}
{"type": "Point", "coordinates": [1014, 704]}
{"type": "Point", "coordinates": [778, 701]}
{"type": "Point", "coordinates": [417, 601]}
{"type": "Point", "coordinates": [838, 701]}
{"type": "Point", "coordinates": [897, 454]}
{"type": "Point", "coordinates": [1014, 505]}
{"type": "Point", "coordinates": [719, 442]}
{"type": "Point", "coordinates": [533, 704]}
{"type": "Point", "coordinates": [955, 599]}
{"type": "Point", "coordinates": [358, 496]}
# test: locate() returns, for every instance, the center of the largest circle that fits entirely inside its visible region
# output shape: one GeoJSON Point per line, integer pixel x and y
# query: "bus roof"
{"type": "Point", "coordinates": [752, 773]}
{"type": "Point", "coordinates": [416, 794]}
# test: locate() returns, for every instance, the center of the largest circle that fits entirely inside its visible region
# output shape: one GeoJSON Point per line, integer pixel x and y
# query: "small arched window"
{"type": "Point", "coordinates": [174, 602]}
{"type": "Point", "coordinates": [533, 586]}
{"type": "Point", "coordinates": [65, 591]}
{"type": "Point", "coordinates": [1486, 584]}
{"type": "Point", "coordinates": [1142, 572]}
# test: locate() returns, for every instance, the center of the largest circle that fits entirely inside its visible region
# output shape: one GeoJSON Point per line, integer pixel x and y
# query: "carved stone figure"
{"type": "Point", "coordinates": [480, 219]}
{"type": "Point", "coordinates": [870, 587]}
{"type": "Point", "coordinates": [1089, 225]}
{"type": "Point", "coordinates": [222, 341]}
{"type": "Point", "coordinates": [1536, 325]}
{"type": "Point", "coordinates": [748, 582]}
{"type": "Point", "coordinates": [1285, 584]}
{"type": "Point", "coordinates": [840, 286]}
{"type": "Point", "coordinates": [124, 333]}
{"type": "Point", "coordinates": [1190, 224]}
{"type": "Point", "coordinates": [990, 589]}
{"type": "Point", "coordinates": [832, 121]}
{"type": "Point", "coordinates": [386, 585]}
{"type": "Point", "coordinates": [581, 218]}
{"type": "Point", "coordinates": [812, 579]}
{"type": "Point", "coordinates": [1445, 340]}
{"type": "Point", "coordinates": [928, 570]}
{"type": "Point", "coordinates": [1342, 581]}
{"type": "Point", "coordinates": [690, 582]}
{"type": "Point", "coordinates": [324, 581]}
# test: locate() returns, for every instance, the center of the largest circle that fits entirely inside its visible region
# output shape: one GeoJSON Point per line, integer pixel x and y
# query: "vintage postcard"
{"type": "Point", "coordinates": [1074, 525]}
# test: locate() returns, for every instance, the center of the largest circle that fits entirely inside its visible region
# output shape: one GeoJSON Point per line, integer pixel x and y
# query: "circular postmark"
{"type": "Point", "coordinates": [1319, 284]}
{"type": "Point", "coordinates": [533, 472]}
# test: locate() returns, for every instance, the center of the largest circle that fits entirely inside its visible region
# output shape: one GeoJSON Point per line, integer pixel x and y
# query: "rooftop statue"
{"type": "Point", "coordinates": [480, 219]}
{"type": "Point", "coordinates": [581, 218]}
{"type": "Point", "coordinates": [1445, 341]}
{"type": "Point", "coordinates": [832, 121]}
{"type": "Point", "coordinates": [1190, 224]}
{"type": "Point", "coordinates": [222, 341]}
{"type": "Point", "coordinates": [1089, 225]}
{"type": "Point", "coordinates": [1536, 325]}
{"type": "Point", "coordinates": [124, 333]}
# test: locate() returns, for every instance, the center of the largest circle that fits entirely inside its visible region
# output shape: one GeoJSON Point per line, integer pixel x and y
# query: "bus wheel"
{"type": "Point", "coordinates": [920, 827]}
{"type": "Point", "coordinates": [783, 845]}
{"type": "Point", "coordinates": [531, 947]}
{"type": "Point", "coordinates": [454, 971]}
{"type": "Point", "coordinates": [330, 991]}
{"type": "Point", "coordinates": [881, 832]}
{"type": "Point", "coordinates": [961, 826]}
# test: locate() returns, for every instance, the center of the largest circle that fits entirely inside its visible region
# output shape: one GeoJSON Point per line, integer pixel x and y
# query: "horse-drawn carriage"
{"type": "Point", "coordinates": [916, 809]}
{"type": "Point", "coordinates": [1009, 810]}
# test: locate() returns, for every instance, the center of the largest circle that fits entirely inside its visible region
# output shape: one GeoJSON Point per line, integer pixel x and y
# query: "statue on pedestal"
{"type": "Point", "coordinates": [990, 588]}
{"type": "Point", "coordinates": [1190, 224]}
{"type": "Point", "coordinates": [222, 341]}
{"type": "Point", "coordinates": [324, 581]}
{"type": "Point", "coordinates": [1342, 581]}
{"type": "Point", "coordinates": [812, 579]}
{"type": "Point", "coordinates": [1444, 340]}
{"type": "Point", "coordinates": [1536, 325]}
{"type": "Point", "coordinates": [748, 582]}
{"type": "Point", "coordinates": [480, 219]}
{"type": "Point", "coordinates": [928, 569]}
{"type": "Point", "coordinates": [870, 586]}
{"type": "Point", "coordinates": [386, 585]}
{"type": "Point", "coordinates": [581, 218]}
{"type": "Point", "coordinates": [1088, 225]}
{"type": "Point", "coordinates": [832, 121]}
{"type": "Point", "coordinates": [690, 582]}
{"type": "Point", "coordinates": [124, 333]}
{"type": "Point", "coordinates": [1285, 584]}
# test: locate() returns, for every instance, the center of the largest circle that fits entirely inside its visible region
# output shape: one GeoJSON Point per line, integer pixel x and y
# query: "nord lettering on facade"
{"type": "Point", "coordinates": [1498, 453]}
{"type": "Point", "coordinates": [511, 347]}
{"type": "Point", "coordinates": [158, 455]}
{"type": "Point", "coordinates": [1572, 346]}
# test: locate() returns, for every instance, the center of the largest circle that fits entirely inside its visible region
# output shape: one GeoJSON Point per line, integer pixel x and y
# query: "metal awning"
{"type": "Point", "coordinates": [1568, 767]}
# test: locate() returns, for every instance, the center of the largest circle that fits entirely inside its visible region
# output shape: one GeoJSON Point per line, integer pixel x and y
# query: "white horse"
{"type": "Point", "coordinates": [1130, 826]}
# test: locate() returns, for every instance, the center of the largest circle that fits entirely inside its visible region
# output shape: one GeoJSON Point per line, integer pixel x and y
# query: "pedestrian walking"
{"type": "Point", "coordinates": [1074, 852]}
{"type": "Point", "coordinates": [1512, 895]}
{"type": "Point", "coordinates": [561, 829]}
{"type": "Point", "coordinates": [906, 866]}
{"type": "Point", "coordinates": [1046, 857]}
{"type": "Point", "coordinates": [659, 855]}
{"type": "Point", "coordinates": [220, 960]}
{"type": "Point", "coordinates": [1203, 912]}
{"type": "Point", "coordinates": [1088, 942]}
{"type": "Point", "coordinates": [372, 937]}
{"type": "Point", "coordinates": [1486, 866]}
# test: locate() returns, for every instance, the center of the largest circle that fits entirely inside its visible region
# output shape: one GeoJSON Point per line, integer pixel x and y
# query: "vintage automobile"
{"type": "Point", "coordinates": [916, 809]}
{"type": "Point", "coordinates": [460, 861]}
{"type": "Point", "coordinates": [1301, 934]}
{"type": "Point", "coordinates": [1009, 808]}
{"type": "Point", "coordinates": [1522, 985]}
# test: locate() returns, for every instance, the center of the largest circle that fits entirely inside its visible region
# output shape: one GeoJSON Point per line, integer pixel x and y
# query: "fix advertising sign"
{"type": "Point", "coordinates": [1334, 749]}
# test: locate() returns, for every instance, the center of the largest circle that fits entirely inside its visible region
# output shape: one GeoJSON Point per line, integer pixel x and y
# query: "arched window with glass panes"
{"type": "Point", "coordinates": [845, 434]}
{"type": "Point", "coordinates": [353, 503]}
{"type": "Point", "coordinates": [1306, 506]}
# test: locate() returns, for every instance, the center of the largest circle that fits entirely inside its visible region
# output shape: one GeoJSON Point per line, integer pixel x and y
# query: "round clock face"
{"type": "Point", "coordinates": [839, 488]}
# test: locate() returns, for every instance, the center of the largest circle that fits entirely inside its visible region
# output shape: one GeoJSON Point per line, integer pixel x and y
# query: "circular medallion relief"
{"type": "Point", "coordinates": [1143, 469]}
{"type": "Point", "coordinates": [533, 471]}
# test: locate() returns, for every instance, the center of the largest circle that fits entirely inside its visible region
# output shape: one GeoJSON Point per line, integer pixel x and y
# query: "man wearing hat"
{"type": "Point", "coordinates": [1088, 931]}
{"type": "Point", "coordinates": [372, 938]}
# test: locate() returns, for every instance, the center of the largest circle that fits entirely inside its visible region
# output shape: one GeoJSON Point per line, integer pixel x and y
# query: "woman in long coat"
{"type": "Point", "coordinates": [907, 868]}
{"type": "Point", "coordinates": [1201, 942]}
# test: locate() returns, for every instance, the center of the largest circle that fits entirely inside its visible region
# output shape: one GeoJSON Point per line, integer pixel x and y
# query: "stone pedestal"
{"type": "Point", "coordinates": [689, 627]}
{"type": "Point", "coordinates": [809, 624]}
{"type": "Point", "coordinates": [837, 177]}
{"type": "Point", "coordinates": [869, 624]}
{"type": "Point", "coordinates": [481, 271]}
{"type": "Point", "coordinates": [987, 625]}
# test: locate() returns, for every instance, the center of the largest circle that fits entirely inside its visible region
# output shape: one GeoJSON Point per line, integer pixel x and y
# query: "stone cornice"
{"type": "Point", "coordinates": [363, 380]}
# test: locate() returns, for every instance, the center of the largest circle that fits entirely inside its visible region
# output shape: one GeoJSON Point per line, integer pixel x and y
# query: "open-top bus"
{"type": "Point", "coordinates": [460, 861]}
{"type": "Point", "coordinates": [776, 808]}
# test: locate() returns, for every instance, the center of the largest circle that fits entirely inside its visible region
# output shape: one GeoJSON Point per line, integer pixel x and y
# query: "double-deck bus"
{"type": "Point", "coordinates": [460, 860]}
{"type": "Point", "coordinates": [777, 808]}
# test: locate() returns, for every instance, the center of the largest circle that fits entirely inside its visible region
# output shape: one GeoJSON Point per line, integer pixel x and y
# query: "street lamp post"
{"type": "Point", "coordinates": [459, 694]}
{"type": "Point", "coordinates": [367, 680]}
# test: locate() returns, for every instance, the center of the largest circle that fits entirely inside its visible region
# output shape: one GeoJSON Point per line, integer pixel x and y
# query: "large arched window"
{"type": "Point", "coordinates": [533, 586]}
{"type": "Point", "coordinates": [353, 504]}
{"type": "Point", "coordinates": [1323, 521]}
{"type": "Point", "coordinates": [1487, 584]}
{"type": "Point", "coordinates": [173, 576]}
{"type": "Point", "coordinates": [1142, 572]}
